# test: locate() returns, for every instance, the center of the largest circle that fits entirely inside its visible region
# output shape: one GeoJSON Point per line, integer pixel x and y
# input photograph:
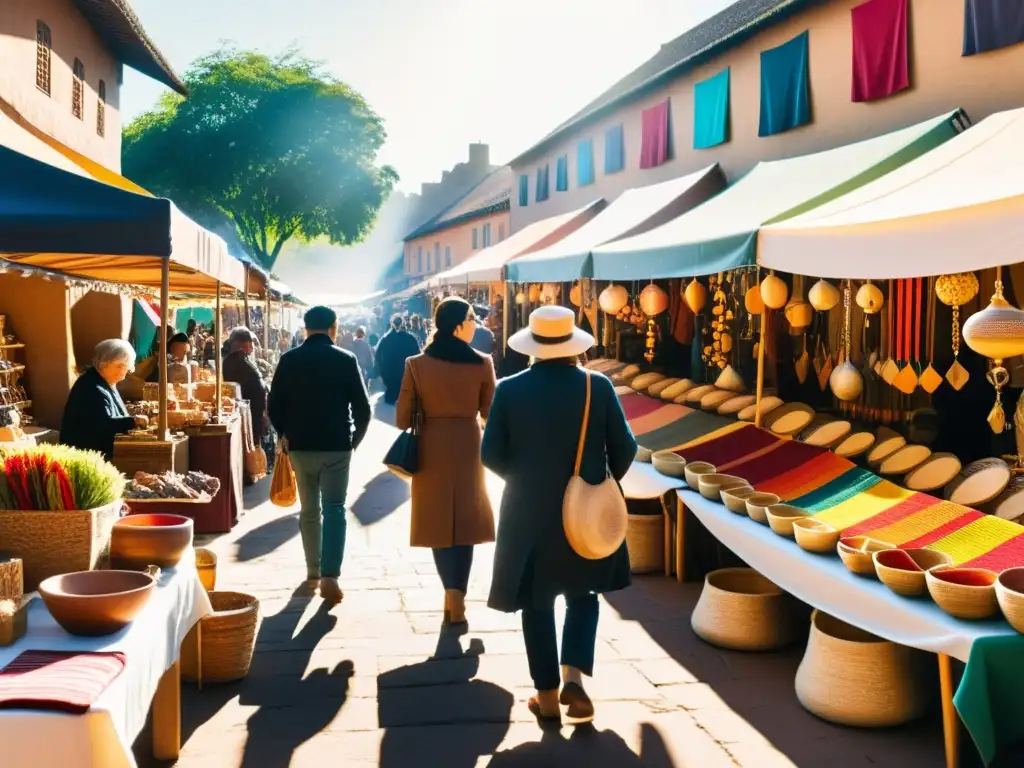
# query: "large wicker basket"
{"type": "Point", "coordinates": [54, 542]}
{"type": "Point", "coordinates": [742, 610]}
{"type": "Point", "coordinates": [645, 540]}
{"type": "Point", "coordinates": [851, 677]}
{"type": "Point", "coordinates": [228, 639]}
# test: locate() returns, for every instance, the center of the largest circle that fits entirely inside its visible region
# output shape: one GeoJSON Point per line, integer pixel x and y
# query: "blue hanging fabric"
{"type": "Point", "coordinates": [711, 111]}
{"type": "Point", "coordinates": [524, 190]}
{"type": "Point", "coordinates": [614, 149]}
{"type": "Point", "coordinates": [992, 24]}
{"type": "Point", "coordinates": [785, 87]}
{"type": "Point", "coordinates": [562, 174]}
{"type": "Point", "coordinates": [542, 184]}
{"type": "Point", "coordinates": [585, 163]}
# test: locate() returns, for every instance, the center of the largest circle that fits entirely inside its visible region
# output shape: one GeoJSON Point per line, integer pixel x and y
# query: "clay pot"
{"type": "Point", "coordinates": [96, 603]}
{"type": "Point", "coordinates": [138, 541]}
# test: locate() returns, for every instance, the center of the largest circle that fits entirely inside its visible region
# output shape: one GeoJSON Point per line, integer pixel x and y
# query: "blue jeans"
{"type": "Point", "coordinates": [322, 477]}
{"type": "Point", "coordinates": [453, 566]}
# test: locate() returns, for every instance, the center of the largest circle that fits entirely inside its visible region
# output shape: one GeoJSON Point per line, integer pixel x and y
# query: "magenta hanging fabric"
{"type": "Point", "coordinates": [880, 49]}
{"type": "Point", "coordinates": [654, 135]}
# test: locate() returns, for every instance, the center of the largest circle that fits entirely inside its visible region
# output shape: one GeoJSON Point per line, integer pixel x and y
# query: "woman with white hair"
{"type": "Point", "coordinates": [95, 412]}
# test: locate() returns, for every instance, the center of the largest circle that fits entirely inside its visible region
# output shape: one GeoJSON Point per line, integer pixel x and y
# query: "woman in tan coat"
{"type": "Point", "coordinates": [450, 385]}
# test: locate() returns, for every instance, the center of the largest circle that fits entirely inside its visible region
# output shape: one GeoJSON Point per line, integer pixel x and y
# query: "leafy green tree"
{"type": "Point", "coordinates": [276, 145]}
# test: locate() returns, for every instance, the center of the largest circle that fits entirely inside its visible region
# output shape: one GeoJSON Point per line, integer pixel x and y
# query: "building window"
{"type": "Point", "coordinates": [542, 183]}
{"type": "Point", "coordinates": [101, 111]}
{"type": "Point", "coordinates": [437, 255]}
{"type": "Point", "coordinates": [585, 163]}
{"type": "Point", "coordinates": [524, 190]}
{"type": "Point", "coordinates": [419, 259]}
{"type": "Point", "coordinates": [475, 240]}
{"type": "Point", "coordinates": [614, 149]}
{"type": "Point", "coordinates": [562, 174]}
{"type": "Point", "coordinates": [501, 232]}
{"type": "Point", "coordinates": [78, 89]}
{"type": "Point", "coordinates": [44, 49]}
{"type": "Point", "coordinates": [487, 236]}
{"type": "Point", "coordinates": [447, 255]}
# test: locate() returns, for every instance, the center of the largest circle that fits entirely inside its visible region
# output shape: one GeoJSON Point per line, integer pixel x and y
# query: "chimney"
{"type": "Point", "coordinates": [479, 155]}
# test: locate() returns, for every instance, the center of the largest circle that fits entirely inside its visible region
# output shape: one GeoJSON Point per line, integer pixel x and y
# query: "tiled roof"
{"type": "Point", "coordinates": [492, 194]}
{"type": "Point", "coordinates": [121, 31]}
{"type": "Point", "coordinates": [710, 38]}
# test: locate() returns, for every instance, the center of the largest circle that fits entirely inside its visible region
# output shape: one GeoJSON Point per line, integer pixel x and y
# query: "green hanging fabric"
{"type": "Point", "coordinates": [785, 87]}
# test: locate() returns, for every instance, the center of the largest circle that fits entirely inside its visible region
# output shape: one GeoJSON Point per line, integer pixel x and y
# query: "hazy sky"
{"type": "Point", "coordinates": [442, 73]}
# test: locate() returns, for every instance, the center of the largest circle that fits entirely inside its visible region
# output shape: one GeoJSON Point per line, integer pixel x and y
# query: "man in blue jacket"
{"type": "Point", "coordinates": [319, 406]}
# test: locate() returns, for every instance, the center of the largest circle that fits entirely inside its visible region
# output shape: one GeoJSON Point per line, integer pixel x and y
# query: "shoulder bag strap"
{"type": "Point", "coordinates": [583, 428]}
{"type": "Point", "coordinates": [417, 413]}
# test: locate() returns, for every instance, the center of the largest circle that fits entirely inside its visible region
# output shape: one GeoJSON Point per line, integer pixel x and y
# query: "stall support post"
{"type": "Point", "coordinates": [506, 315]}
{"type": "Point", "coordinates": [245, 301]}
{"type": "Point", "coordinates": [266, 323]}
{"type": "Point", "coordinates": [219, 378]}
{"type": "Point", "coordinates": [165, 290]}
{"type": "Point", "coordinates": [760, 369]}
{"type": "Point", "coordinates": [950, 719]}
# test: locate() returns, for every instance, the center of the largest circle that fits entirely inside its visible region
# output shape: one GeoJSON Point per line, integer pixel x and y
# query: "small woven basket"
{"type": "Point", "coordinates": [206, 565]}
{"type": "Point", "coordinates": [645, 540]}
{"type": "Point", "coordinates": [742, 610]}
{"type": "Point", "coordinates": [851, 677]}
{"type": "Point", "coordinates": [228, 639]}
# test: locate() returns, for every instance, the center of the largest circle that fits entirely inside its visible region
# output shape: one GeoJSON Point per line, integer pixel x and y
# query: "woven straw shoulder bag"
{"type": "Point", "coordinates": [594, 516]}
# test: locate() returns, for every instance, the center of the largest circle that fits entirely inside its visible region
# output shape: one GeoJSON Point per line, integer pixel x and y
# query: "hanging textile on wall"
{"type": "Point", "coordinates": [711, 111]}
{"type": "Point", "coordinates": [562, 174]}
{"type": "Point", "coordinates": [614, 149]}
{"type": "Point", "coordinates": [785, 87]}
{"type": "Point", "coordinates": [542, 183]}
{"type": "Point", "coordinates": [992, 24]}
{"type": "Point", "coordinates": [585, 163]}
{"type": "Point", "coordinates": [880, 49]}
{"type": "Point", "coordinates": [524, 190]}
{"type": "Point", "coordinates": [654, 136]}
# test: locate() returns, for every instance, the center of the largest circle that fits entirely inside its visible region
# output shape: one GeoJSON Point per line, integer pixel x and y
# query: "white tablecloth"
{"type": "Point", "coordinates": [103, 737]}
{"type": "Point", "coordinates": [823, 582]}
{"type": "Point", "coordinates": [643, 481]}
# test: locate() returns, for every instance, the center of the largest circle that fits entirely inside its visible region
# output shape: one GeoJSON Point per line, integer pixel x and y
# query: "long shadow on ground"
{"type": "Point", "coordinates": [589, 747]}
{"type": "Point", "coordinates": [384, 494]}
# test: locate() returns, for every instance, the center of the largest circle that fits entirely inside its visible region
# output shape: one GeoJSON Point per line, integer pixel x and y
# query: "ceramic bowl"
{"type": "Point", "coordinates": [856, 553]}
{"type": "Point", "coordinates": [902, 570]}
{"type": "Point", "coordinates": [757, 506]}
{"type": "Point", "coordinates": [966, 593]}
{"type": "Point", "coordinates": [138, 541]}
{"type": "Point", "coordinates": [782, 516]}
{"type": "Point", "coordinates": [1010, 594]}
{"type": "Point", "coordinates": [669, 463]}
{"type": "Point", "coordinates": [96, 603]}
{"type": "Point", "coordinates": [735, 499]}
{"type": "Point", "coordinates": [712, 485]}
{"type": "Point", "coordinates": [643, 454]}
{"type": "Point", "coordinates": [815, 536]}
{"type": "Point", "coordinates": [694, 470]}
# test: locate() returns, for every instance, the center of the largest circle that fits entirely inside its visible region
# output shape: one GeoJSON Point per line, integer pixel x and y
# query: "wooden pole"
{"type": "Point", "coordinates": [219, 377]}
{"type": "Point", "coordinates": [245, 300]}
{"type": "Point", "coordinates": [266, 322]}
{"type": "Point", "coordinates": [165, 290]}
{"type": "Point", "coordinates": [950, 718]}
{"type": "Point", "coordinates": [760, 367]}
{"type": "Point", "coordinates": [506, 316]}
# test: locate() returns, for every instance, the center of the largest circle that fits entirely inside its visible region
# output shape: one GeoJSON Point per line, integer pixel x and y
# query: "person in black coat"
{"type": "Point", "coordinates": [240, 369]}
{"type": "Point", "coordinates": [397, 346]}
{"type": "Point", "coordinates": [531, 442]}
{"type": "Point", "coordinates": [95, 413]}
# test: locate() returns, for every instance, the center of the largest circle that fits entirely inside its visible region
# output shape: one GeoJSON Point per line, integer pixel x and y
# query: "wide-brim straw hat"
{"type": "Point", "coordinates": [552, 334]}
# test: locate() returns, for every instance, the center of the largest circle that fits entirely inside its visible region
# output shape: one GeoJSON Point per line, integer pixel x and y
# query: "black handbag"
{"type": "Point", "coordinates": [403, 457]}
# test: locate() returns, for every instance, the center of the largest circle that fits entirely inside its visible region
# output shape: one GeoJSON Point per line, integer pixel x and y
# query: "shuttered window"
{"type": "Point", "coordinates": [44, 50]}
{"type": "Point", "coordinates": [78, 90]}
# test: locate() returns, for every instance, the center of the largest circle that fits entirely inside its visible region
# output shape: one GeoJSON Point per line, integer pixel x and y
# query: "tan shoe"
{"type": "Point", "coordinates": [330, 591]}
{"type": "Point", "coordinates": [544, 706]}
{"type": "Point", "coordinates": [455, 603]}
{"type": "Point", "coordinates": [580, 707]}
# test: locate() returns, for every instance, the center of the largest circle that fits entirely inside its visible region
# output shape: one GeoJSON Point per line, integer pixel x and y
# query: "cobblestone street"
{"type": "Point", "coordinates": [373, 683]}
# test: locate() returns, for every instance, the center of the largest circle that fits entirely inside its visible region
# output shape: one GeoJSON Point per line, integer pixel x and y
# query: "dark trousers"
{"type": "Point", "coordinates": [579, 633]}
{"type": "Point", "coordinates": [453, 565]}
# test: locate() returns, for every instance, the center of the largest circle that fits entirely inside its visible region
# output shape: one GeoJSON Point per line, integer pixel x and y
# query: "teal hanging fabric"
{"type": "Point", "coordinates": [614, 149]}
{"type": "Point", "coordinates": [562, 174]}
{"type": "Point", "coordinates": [524, 190]}
{"type": "Point", "coordinates": [585, 163]}
{"type": "Point", "coordinates": [711, 111]}
{"type": "Point", "coordinates": [785, 87]}
{"type": "Point", "coordinates": [542, 184]}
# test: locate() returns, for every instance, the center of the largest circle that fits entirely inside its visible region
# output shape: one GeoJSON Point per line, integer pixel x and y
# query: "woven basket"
{"type": "Point", "coordinates": [206, 565]}
{"type": "Point", "coordinates": [851, 677]}
{"type": "Point", "coordinates": [742, 610]}
{"type": "Point", "coordinates": [228, 638]}
{"type": "Point", "coordinates": [55, 542]}
{"type": "Point", "coordinates": [645, 540]}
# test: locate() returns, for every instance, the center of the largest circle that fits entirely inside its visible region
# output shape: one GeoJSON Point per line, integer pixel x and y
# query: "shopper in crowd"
{"type": "Point", "coordinates": [417, 330]}
{"type": "Point", "coordinates": [240, 368]}
{"type": "Point", "coordinates": [449, 386]}
{"type": "Point", "coordinates": [178, 371]}
{"type": "Point", "coordinates": [319, 407]}
{"type": "Point", "coordinates": [95, 413]}
{"type": "Point", "coordinates": [298, 338]}
{"type": "Point", "coordinates": [364, 354]}
{"type": "Point", "coordinates": [483, 337]}
{"type": "Point", "coordinates": [345, 339]}
{"type": "Point", "coordinates": [531, 441]}
{"type": "Point", "coordinates": [397, 346]}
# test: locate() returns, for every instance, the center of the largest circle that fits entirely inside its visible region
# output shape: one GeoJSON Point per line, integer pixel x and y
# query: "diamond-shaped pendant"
{"type": "Point", "coordinates": [957, 376]}
{"type": "Point", "coordinates": [996, 418]}
{"type": "Point", "coordinates": [889, 371]}
{"type": "Point", "coordinates": [930, 379]}
{"type": "Point", "coordinates": [906, 380]}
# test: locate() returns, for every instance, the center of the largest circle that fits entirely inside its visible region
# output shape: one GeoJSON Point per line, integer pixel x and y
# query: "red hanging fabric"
{"type": "Point", "coordinates": [654, 135]}
{"type": "Point", "coordinates": [880, 49]}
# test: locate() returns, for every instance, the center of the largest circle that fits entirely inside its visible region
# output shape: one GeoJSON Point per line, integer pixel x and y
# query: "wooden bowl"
{"type": "Point", "coordinates": [782, 516]}
{"type": "Point", "coordinates": [694, 470]}
{"type": "Point", "coordinates": [138, 541]}
{"type": "Point", "coordinates": [712, 484]}
{"type": "Point", "coordinates": [96, 603]}
{"type": "Point", "coordinates": [902, 570]}
{"type": "Point", "coordinates": [856, 553]}
{"type": "Point", "coordinates": [966, 593]}
{"type": "Point", "coordinates": [815, 536]}
{"type": "Point", "coordinates": [1010, 594]}
{"type": "Point", "coordinates": [668, 463]}
{"type": "Point", "coordinates": [757, 506]}
{"type": "Point", "coordinates": [735, 499]}
{"type": "Point", "coordinates": [643, 454]}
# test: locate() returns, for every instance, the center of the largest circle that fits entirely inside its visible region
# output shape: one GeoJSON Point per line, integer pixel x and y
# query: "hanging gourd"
{"type": "Point", "coordinates": [613, 299]}
{"type": "Point", "coordinates": [997, 332]}
{"type": "Point", "coordinates": [520, 298]}
{"type": "Point", "coordinates": [846, 381]}
{"type": "Point", "coordinates": [696, 296]}
{"type": "Point", "coordinates": [576, 294]}
{"type": "Point", "coordinates": [824, 296]}
{"type": "Point", "coordinates": [798, 311]}
{"type": "Point", "coordinates": [534, 294]}
{"type": "Point", "coordinates": [955, 291]}
{"type": "Point", "coordinates": [653, 300]}
{"type": "Point", "coordinates": [774, 291]}
{"type": "Point", "coordinates": [870, 298]}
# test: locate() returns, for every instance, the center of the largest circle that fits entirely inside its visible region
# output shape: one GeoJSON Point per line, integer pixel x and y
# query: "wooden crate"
{"type": "Point", "coordinates": [153, 456]}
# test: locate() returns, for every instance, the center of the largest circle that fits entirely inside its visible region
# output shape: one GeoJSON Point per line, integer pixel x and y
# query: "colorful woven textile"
{"type": "Point", "coordinates": [65, 681]}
